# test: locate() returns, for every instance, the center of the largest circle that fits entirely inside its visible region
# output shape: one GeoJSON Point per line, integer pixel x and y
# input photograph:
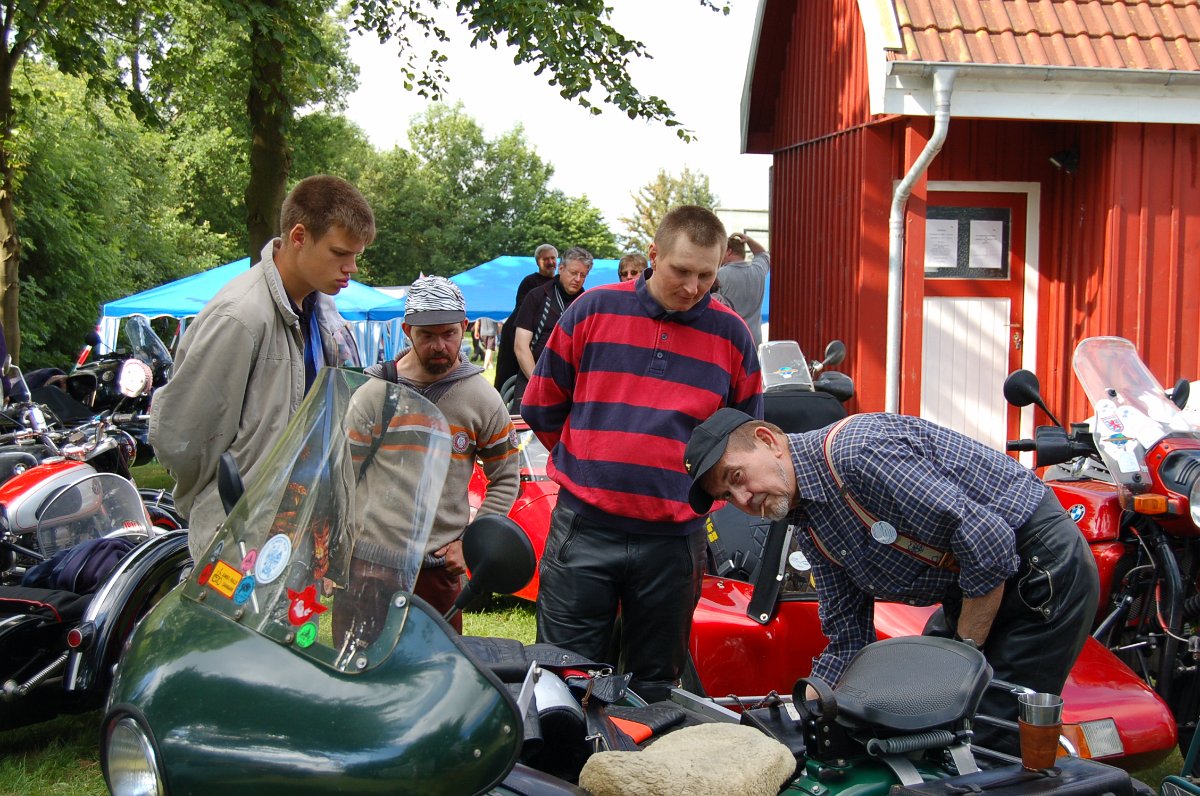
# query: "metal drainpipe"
{"type": "Point", "coordinates": [943, 86]}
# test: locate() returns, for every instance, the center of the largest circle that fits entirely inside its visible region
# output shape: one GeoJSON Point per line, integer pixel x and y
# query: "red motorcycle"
{"type": "Point", "coordinates": [1130, 478]}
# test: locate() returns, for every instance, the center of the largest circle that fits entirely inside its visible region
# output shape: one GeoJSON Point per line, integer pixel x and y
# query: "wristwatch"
{"type": "Point", "coordinates": [970, 642]}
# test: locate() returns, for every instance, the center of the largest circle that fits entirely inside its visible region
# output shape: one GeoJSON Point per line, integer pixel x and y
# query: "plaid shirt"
{"type": "Point", "coordinates": [930, 484]}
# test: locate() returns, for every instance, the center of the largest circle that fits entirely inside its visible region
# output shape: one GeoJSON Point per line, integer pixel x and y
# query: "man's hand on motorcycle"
{"type": "Point", "coordinates": [455, 564]}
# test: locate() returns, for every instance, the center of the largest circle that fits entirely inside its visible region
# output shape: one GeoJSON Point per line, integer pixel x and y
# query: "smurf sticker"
{"type": "Point", "coordinates": [273, 558]}
{"type": "Point", "coordinates": [244, 589]}
{"type": "Point", "coordinates": [1076, 512]}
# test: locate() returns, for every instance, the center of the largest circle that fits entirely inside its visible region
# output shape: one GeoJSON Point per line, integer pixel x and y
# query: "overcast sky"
{"type": "Point", "coordinates": [699, 68]}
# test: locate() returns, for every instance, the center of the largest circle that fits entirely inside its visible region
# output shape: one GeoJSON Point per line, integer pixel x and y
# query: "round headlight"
{"type": "Point", "coordinates": [129, 761]}
{"type": "Point", "coordinates": [1194, 502]}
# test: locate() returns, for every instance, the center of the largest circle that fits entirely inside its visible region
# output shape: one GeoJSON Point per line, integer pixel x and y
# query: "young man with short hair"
{"type": "Point", "coordinates": [247, 360]}
{"type": "Point", "coordinates": [629, 370]}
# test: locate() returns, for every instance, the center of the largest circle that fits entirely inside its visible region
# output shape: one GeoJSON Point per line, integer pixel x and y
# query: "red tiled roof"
{"type": "Point", "coordinates": [1109, 34]}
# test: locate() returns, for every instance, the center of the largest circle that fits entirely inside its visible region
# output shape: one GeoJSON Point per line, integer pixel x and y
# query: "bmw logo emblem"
{"type": "Point", "coordinates": [1076, 512]}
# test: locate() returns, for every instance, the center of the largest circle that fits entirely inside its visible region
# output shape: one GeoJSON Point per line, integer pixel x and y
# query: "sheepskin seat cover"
{"type": "Point", "coordinates": [704, 760]}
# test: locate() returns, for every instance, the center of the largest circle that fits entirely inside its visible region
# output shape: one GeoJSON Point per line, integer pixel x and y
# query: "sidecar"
{"type": "Point", "coordinates": [58, 644]}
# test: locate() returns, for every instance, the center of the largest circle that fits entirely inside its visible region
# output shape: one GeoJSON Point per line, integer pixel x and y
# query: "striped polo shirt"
{"type": "Point", "coordinates": [617, 392]}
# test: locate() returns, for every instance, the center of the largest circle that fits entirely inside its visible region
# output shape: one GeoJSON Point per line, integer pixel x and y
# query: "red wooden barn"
{"type": "Point", "coordinates": [964, 187]}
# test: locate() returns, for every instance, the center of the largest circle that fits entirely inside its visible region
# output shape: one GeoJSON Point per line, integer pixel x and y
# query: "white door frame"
{"type": "Point", "coordinates": [1033, 207]}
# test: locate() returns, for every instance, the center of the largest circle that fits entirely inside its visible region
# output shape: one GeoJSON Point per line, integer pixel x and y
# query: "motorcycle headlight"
{"type": "Point", "coordinates": [1194, 502]}
{"type": "Point", "coordinates": [130, 763]}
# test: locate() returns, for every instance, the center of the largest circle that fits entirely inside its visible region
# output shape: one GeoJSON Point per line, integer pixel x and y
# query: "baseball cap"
{"type": "Point", "coordinates": [434, 300]}
{"type": "Point", "coordinates": [705, 449]}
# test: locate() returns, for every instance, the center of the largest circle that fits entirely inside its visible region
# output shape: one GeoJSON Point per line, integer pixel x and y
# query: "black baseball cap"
{"type": "Point", "coordinates": [705, 449]}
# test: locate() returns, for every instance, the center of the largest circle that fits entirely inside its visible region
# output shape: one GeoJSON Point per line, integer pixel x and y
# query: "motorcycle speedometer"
{"type": "Point", "coordinates": [130, 762]}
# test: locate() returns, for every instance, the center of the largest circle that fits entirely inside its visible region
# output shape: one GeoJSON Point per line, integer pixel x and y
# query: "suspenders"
{"type": "Point", "coordinates": [882, 532]}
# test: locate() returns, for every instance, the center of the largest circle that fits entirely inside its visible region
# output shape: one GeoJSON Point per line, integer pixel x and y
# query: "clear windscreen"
{"type": "Point", "coordinates": [91, 508]}
{"type": "Point", "coordinates": [1132, 411]}
{"type": "Point", "coordinates": [335, 524]}
{"type": "Point", "coordinates": [783, 364]}
{"type": "Point", "coordinates": [145, 344]}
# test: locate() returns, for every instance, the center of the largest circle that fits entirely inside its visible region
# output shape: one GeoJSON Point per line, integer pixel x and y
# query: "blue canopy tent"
{"type": "Point", "coordinates": [367, 309]}
{"type": "Point", "coordinates": [490, 288]}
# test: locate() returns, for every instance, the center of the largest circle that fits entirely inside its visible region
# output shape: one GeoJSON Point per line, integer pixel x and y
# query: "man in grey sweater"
{"type": "Point", "coordinates": [435, 320]}
{"type": "Point", "coordinates": [744, 283]}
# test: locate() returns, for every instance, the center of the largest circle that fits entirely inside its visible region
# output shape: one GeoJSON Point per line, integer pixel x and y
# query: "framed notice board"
{"type": "Point", "coordinates": [967, 242]}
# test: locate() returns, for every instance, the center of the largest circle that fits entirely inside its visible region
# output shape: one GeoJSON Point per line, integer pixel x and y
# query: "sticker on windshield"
{"type": "Point", "coordinates": [248, 560]}
{"type": "Point", "coordinates": [787, 371]}
{"type": "Point", "coordinates": [1076, 512]}
{"type": "Point", "coordinates": [273, 558]}
{"type": "Point", "coordinates": [306, 635]}
{"type": "Point", "coordinates": [224, 579]}
{"type": "Point", "coordinates": [244, 589]}
{"type": "Point", "coordinates": [304, 605]}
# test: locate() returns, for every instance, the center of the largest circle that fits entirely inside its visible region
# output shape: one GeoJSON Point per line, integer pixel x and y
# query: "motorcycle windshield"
{"type": "Point", "coordinates": [335, 524]}
{"type": "Point", "coordinates": [783, 363]}
{"type": "Point", "coordinates": [95, 506]}
{"type": "Point", "coordinates": [1133, 413]}
{"type": "Point", "coordinates": [145, 344]}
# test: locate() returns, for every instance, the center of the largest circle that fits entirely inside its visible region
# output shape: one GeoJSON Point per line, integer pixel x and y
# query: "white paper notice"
{"type": "Point", "coordinates": [987, 238]}
{"type": "Point", "coordinates": [941, 244]}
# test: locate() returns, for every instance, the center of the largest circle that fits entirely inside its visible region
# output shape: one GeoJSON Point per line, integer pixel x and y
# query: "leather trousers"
{"type": "Point", "coordinates": [1044, 617]}
{"type": "Point", "coordinates": [589, 571]}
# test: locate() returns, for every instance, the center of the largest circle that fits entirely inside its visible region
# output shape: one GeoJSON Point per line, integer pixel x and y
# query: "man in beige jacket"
{"type": "Point", "coordinates": [247, 360]}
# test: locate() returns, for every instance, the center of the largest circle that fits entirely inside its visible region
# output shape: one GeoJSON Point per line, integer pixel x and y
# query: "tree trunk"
{"type": "Point", "coordinates": [10, 244]}
{"type": "Point", "coordinates": [269, 109]}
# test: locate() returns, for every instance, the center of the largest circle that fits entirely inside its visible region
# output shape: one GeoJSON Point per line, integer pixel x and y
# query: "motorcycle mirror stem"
{"type": "Point", "coordinates": [229, 482]}
{"type": "Point", "coordinates": [835, 354]}
{"type": "Point", "coordinates": [1022, 388]}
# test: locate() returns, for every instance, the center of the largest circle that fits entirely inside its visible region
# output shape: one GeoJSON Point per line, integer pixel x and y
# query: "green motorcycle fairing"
{"type": "Point", "coordinates": [295, 658]}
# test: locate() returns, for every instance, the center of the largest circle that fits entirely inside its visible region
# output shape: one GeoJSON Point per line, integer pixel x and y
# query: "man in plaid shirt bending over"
{"type": "Point", "coordinates": [897, 508]}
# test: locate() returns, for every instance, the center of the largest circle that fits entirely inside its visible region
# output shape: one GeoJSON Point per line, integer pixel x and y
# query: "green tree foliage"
{"type": "Point", "coordinates": [458, 199]}
{"type": "Point", "coordinates": [100, 212]}
{"type": "Point", "coordinates": [236, 126]}
{"type": "Point", "coordinates": [656, 198]}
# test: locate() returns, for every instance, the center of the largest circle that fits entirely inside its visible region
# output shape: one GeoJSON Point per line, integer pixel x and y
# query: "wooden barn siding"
{"type": "Point", "coordinates": [823, 86]}
{"type": "Point", "coordinates": [828, 229]}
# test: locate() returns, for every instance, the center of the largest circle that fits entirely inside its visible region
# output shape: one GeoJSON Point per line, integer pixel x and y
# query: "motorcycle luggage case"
{"type": "Point", "coordinates": [1075, 776]}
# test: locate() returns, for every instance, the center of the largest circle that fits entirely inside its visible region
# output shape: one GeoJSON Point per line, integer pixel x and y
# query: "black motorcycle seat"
{"type": "Point", "coordinates": [50, 604]}
{"type": "Point", "coordinates": [796, 410]}
{"type": "Point", "coordinates": [912, 683]}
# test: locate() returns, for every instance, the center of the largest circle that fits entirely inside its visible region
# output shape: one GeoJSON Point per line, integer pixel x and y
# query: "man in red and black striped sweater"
{"type": "Point", "coordinates": [629, 371]}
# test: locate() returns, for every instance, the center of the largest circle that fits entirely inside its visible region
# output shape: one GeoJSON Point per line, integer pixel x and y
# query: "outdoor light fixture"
{"type": "Point", "coordinates": [1067, 160]}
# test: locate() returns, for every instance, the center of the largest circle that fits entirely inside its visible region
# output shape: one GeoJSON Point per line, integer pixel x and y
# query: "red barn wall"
{"type": "Point", "coordinates": [1119, 240]}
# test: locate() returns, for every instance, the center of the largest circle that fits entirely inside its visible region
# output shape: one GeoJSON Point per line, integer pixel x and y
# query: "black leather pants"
{"type": "Point", "coordinates": [589, 571]}
{"type": "Point", "coordinates": [1044, 617]}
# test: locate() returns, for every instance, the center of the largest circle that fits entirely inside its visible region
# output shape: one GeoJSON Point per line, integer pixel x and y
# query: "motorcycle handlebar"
{"type": "Point", "coordinates": [1020, 445]}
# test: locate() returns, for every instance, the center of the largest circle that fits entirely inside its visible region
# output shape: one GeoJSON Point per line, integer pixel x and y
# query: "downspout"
{"type": "Point", "coordinates": [943, 86]}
